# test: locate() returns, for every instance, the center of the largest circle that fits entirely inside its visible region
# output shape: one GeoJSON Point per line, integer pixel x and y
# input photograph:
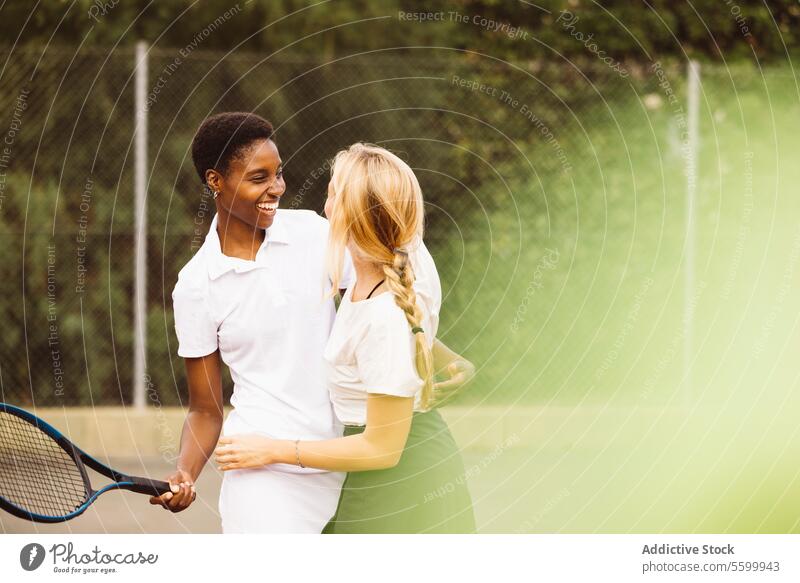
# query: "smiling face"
{"type": "Point", "coordinates": [252, 187]}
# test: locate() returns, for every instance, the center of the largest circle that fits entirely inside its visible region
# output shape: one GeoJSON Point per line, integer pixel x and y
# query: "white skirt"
{"type": "Point", "coordinates": [274, 499]}
{"type": "Point", "coordinates": [263, 500]}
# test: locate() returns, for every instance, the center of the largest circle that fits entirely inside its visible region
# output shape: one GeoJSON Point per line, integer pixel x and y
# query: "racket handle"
{"type": "Point", "coordinates": [146, 486]}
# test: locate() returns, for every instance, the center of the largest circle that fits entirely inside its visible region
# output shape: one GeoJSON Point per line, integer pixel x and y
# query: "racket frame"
{"type": "Point", "coordinates": [82, 459]}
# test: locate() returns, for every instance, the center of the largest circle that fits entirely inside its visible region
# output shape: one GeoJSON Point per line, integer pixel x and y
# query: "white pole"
{"type": "Point", "coordinates": [693, 106]}
{"type": "Point", "coordinates": [140, 234]}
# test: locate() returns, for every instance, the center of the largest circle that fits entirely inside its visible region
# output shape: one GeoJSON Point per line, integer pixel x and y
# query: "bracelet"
{"type": "Point", "coordinates": [297, 452]}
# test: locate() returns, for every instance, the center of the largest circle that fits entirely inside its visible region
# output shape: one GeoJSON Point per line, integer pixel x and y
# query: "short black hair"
{"type": "Point", "coordinates": [223, 137]}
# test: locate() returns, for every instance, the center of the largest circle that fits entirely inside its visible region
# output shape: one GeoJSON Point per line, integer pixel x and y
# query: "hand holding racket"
{"type": "Point", "coordinates": [43, 474]}
{"type": "Point", "coordinates": [181, 494]}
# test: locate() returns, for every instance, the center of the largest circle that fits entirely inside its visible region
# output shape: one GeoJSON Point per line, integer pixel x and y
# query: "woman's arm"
{"type": "Point", "coordinates": [378, 447]}
{"type": "Point", "coordinates": [204, 421]}
{"type": "Point", "coordinates": [201, 429]}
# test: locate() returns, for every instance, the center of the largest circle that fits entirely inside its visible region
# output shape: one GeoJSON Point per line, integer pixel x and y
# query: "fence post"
{"type": "Point", "coordinates": [140, 230]}
{"type": "Point", "coordinates": [692, 142]}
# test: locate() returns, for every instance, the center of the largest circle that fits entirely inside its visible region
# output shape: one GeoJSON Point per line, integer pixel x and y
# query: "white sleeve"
{"type": "Point", "coordinates": [385, 356]}
{"type": "Point", "coordinates": [194, 326]}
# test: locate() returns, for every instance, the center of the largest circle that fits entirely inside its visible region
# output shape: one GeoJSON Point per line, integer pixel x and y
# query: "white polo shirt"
{"type": "Point", "coordinates": [270, 321]}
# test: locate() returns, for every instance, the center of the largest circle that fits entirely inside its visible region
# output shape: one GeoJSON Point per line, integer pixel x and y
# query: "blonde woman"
{"type": "Point", "coordinates": [405, 474]}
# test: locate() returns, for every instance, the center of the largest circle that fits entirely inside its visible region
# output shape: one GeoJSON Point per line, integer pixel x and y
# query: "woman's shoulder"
{"type": "Point", "coordinates": [426, 279]}
{"type": "Point", "coordinates": [387, 319]}
{"type": "Point", "coordinates": [193, 277]}
{"type": "Point", "coordinates": [422, 260]}
{"type": "Point", "coordinates": [385, 316]}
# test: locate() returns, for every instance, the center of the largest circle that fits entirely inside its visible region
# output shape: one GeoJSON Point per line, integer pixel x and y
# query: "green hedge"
{"type": "Point", "coordinates": [710, 29]}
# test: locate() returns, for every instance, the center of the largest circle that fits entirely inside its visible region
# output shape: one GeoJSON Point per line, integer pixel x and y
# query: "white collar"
{"type": "Point", "coordinates": [220, 264]}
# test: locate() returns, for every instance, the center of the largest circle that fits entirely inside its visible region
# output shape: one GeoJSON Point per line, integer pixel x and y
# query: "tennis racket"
{"type": "Point", "coordinates": [43, 475]}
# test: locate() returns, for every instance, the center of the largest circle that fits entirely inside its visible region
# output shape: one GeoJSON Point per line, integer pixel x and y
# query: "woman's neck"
{"type": "Point", "coordinates": [237, 238]}
{"type": "Point", "coordinates": [368, 273]}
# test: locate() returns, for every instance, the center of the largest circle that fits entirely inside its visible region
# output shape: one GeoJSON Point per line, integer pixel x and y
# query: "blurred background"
{"type": "Point", "coordinates": [612, 204]}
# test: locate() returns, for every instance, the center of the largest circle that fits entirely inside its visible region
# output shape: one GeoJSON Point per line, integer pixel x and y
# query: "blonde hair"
{"type": "Point", "coordinates": [378, 206]}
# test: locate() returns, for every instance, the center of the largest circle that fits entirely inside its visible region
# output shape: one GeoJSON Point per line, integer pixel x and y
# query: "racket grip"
{"type": "Point", "coordinates": [147, 486]}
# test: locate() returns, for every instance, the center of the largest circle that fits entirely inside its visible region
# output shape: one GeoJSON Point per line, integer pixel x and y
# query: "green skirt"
{"type": "Point", "coordinates": [425, 492]}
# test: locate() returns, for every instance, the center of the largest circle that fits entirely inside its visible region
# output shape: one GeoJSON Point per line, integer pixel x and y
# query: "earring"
{"type": "Point", "coordinates": [216, 194]}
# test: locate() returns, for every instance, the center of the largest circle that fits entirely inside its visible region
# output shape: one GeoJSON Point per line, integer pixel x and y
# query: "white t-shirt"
{"type": "Point", "coordinates": [371, 348]}
{"type": "Point", "coordinates": [270, 321]}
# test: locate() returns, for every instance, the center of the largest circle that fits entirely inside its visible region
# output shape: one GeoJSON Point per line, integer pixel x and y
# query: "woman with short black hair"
{"type": "Point", "coordinates": [251, 298]}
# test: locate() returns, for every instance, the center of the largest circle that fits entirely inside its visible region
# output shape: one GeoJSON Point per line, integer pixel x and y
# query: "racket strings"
{"type": "Point", "coordinates": [36, 474]}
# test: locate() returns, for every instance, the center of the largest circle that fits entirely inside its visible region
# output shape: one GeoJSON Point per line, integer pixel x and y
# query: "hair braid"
{"type": "Point", "coordinates": [400, 281]}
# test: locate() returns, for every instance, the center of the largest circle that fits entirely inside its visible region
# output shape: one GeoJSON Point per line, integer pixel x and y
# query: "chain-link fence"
{"type": "Point", "coordinates": [555, 198]}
